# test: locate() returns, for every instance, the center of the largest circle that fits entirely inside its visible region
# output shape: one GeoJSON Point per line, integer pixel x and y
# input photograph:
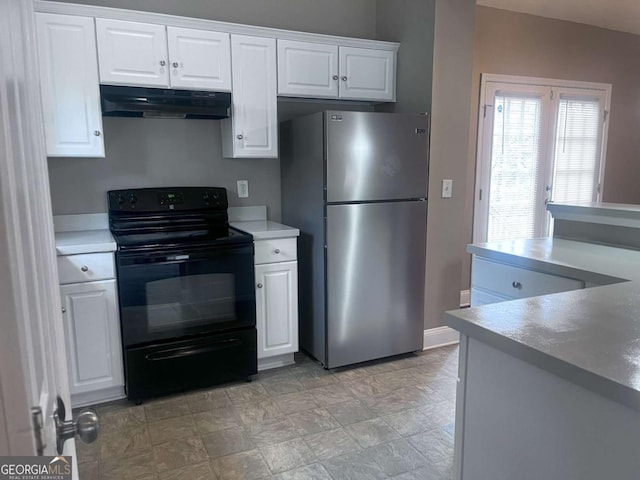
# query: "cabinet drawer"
{"type": "Point", "coordinates": [85, 268]}
{"type": "Point", "coordinates": [272, 251]}
{"type": "Point", "coordinates": [515, 282]}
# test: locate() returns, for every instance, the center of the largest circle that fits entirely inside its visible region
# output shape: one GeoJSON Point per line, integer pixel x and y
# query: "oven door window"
{"type": "Point", "coordinates": [164, 297]}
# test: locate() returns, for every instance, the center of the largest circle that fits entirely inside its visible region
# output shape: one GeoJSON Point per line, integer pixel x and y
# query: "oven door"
{"type": "Point", "coordinates": [167, 296]}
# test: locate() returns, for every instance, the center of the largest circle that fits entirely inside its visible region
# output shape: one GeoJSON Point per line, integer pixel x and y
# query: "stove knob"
{"type": "Point", "coordinates": [216, 194]}
{"type": "Point", "coordinates": [120, 199]}
{"type": "Point", "coordinates": [133, 198]}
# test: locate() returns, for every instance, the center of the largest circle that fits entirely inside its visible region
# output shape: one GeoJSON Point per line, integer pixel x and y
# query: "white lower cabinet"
{"type": "Point", "coordinates": [94, 351]}
{"type": "Point", "coordinates": [493, 282]}
{"type": "Point", "coordinates": [277, 308]}
{"type": "Point", "coordinates": [276, 273]}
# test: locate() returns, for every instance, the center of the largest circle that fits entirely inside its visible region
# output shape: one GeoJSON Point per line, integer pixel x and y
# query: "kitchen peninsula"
{"type": "Point", "coordinates": [549, 386]}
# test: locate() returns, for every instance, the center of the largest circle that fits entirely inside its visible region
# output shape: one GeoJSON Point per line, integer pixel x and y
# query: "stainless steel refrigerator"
{"type": "Point", "coordinates": [355, 183]}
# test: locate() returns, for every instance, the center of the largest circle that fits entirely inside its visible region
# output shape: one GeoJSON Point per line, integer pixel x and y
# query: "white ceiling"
{"type": "Point", "coordinates": [622, 15]}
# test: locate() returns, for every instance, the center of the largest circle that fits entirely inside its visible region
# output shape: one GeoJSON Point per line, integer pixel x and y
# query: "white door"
{"type": "Point", "coordinates": [277, 308]}
{"type": "Point", "coordinates": [307, 69]}
{"type": "Point", "coordinates": [32, 359]}
{"type": "Point", "coordinates": [69, 78]}
{"type": "Point", "coordinates": [132, 53]}
{"type": "Point", "coordinates": [252, 131]}
{"type": "Point", "coordinates": [200, 60]}
{"type": "Point", "coordinates": [537, 142]}
{"type": "Point", "coordinates": [367, 74]}
{"type": "Point", "coordinates": [515, 176]}
{"type": "Point", "coordinates": [94, 353]}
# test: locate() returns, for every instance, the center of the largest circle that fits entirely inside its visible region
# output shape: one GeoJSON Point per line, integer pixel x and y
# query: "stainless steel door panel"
{"type": "Point", "coordinates": [375, 280]}
{"type": "Point", "coordinates": [376, 156]}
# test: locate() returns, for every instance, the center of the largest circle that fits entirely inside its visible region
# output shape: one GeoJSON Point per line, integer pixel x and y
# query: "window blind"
{"type": "Point", "coordinates": [515, 163]}
{"type": "Point", "coordinates": [576, 165]}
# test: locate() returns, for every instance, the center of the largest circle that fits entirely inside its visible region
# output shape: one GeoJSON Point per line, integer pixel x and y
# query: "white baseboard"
{"type": "Point", "coordinates": [275, 362]}
{"type": "Point", "coordinates": [465, 298]}
{"type": "Point", "coordinates": [440, 337]}
{"type": "Point", "coordinates": [101, 396]}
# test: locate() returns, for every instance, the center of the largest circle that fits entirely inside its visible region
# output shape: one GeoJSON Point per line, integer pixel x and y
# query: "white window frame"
{"type": "Point", "coordinates": [480, 210]}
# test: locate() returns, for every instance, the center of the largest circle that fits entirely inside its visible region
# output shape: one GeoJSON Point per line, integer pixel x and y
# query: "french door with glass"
{"type": "Point", "coordinates": [538, 141]}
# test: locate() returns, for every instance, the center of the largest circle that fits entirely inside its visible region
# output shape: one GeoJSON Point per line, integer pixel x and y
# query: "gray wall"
{"type": "Point", "coordinates": [143, 152]}
{"type": "Point", "coordinates": [411, 23]}
{"type": "Point", "coordinates": [451, 105]}
{"type": "Point", "coordinates": [513, 43]}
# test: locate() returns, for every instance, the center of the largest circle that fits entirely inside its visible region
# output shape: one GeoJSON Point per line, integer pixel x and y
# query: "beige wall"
{"type": "Point", "coordinates": [451, 101]}
{"type": "Point", "coordinates": [519, 44]}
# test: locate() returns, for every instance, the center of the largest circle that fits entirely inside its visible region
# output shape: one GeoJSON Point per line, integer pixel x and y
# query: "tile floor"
{"type": "Point", "coordinates": [388, 419]}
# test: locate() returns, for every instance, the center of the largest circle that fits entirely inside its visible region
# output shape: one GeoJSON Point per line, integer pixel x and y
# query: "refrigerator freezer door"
{"type": "Point", "coordinates": [375, 280]}
{"type": "Point", "coordinates": [376, 156]}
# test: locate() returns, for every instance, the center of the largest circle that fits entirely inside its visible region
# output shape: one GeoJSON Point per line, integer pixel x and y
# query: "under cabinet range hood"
{"type": "Point", "coordinates": [121, 101]}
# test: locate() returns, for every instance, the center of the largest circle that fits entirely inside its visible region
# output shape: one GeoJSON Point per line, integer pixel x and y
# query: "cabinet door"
{"type": "Point", "coordinates": [200, 60]}
{"type": "Point", "coordinates": [132, 53]}
{"type": "Point", "coordinates": [69, 82]}
{"type": "Point", "coordinates": [252, 131]}
{"type": "Point", "coordinates": [367, 74]}
{"type": "Point", "coordinates": [92, 330]}
{"type": "Point", "coordinates": [307, 69]}
{"type": "Point", "coordinates": [277, 308]}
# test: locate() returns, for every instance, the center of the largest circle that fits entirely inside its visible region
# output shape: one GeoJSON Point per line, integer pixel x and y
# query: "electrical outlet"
{"type": "Point", "coordinates": [243, 188]}
{"type": "Point", "coordinates": [447, 188]}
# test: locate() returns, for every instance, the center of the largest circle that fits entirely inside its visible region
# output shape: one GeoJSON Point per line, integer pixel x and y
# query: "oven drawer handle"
{"type": "Point", "coordinates": [188, 351]}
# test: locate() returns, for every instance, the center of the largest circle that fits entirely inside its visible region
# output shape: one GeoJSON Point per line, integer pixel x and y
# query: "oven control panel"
{"type": "Point", "coordinates": [167, 199]}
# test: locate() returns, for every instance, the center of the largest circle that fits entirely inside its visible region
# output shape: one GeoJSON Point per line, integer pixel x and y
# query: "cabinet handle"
{"type": "Point", "coordinates": [344, 78]}
{"type": "Point", "coordinates": [240, 137]}
{"type": "Point", "coordinates": [162, 63]}
{"type": "Point", "coordinates": [259, 285]}
{"type": "Point", "coordinates": [335, 77]}
{"type": "Point", "coordinates": [276, 251]}
{"type": "Point", "coordinates": [64, 310]}
{"type": "Point", "coordinates": [84, 268]}
{"type": "Point", "coordinates": [175, 64]}
{"type": "Point", "coordinates": [517, 285]}
{"type": "Point", "coordinates": [96, 133]}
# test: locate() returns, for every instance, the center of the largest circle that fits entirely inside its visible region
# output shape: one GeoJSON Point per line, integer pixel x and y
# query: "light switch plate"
{"type": "Point", "coordinates": [447, 188]}
{"type": "Point", "coordinates": [243, 188]}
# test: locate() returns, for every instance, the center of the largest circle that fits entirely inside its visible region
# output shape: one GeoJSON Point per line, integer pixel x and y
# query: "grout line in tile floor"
{"type": "Point", "coordinates": [384, 419]}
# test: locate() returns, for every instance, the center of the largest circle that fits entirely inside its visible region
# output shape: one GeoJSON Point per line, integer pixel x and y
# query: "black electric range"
{"type": "Point", "coordinates": [186, 290]}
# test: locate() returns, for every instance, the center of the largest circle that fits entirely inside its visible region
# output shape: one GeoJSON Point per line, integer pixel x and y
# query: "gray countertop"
{"type": "Point", "coordinates": [590, 337]}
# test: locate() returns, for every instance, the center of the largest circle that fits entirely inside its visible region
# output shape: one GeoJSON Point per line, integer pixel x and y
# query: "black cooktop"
{"type": "Point", "coordinates": [169, 219]}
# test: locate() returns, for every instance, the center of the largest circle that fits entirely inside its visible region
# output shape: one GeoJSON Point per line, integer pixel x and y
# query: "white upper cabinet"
{"type": "Point", "coordinates": [367, 74]}
{"type": "Point", "coordinates": [251, 132]}
{"type": "Point", "coordinates": [69, 83]}
{"type": "Point", "coordinates": [132, 53]}
{"type": "Point", "coordinates": [199, 59]}
{"type": "Point", "coordinates": [327, 71]}
{"type": "Point", "coordinates": [307, 69]}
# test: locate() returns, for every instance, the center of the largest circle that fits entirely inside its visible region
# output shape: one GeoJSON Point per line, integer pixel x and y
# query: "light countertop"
{"type": "Point", "coordinates": [84, 241]}
{"type": "Point", "coordinates": [77, 234]}
{"type": "Point", "coordinates": [266, 229]}
{"type": "Point", "coordinates": [590, 337]}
